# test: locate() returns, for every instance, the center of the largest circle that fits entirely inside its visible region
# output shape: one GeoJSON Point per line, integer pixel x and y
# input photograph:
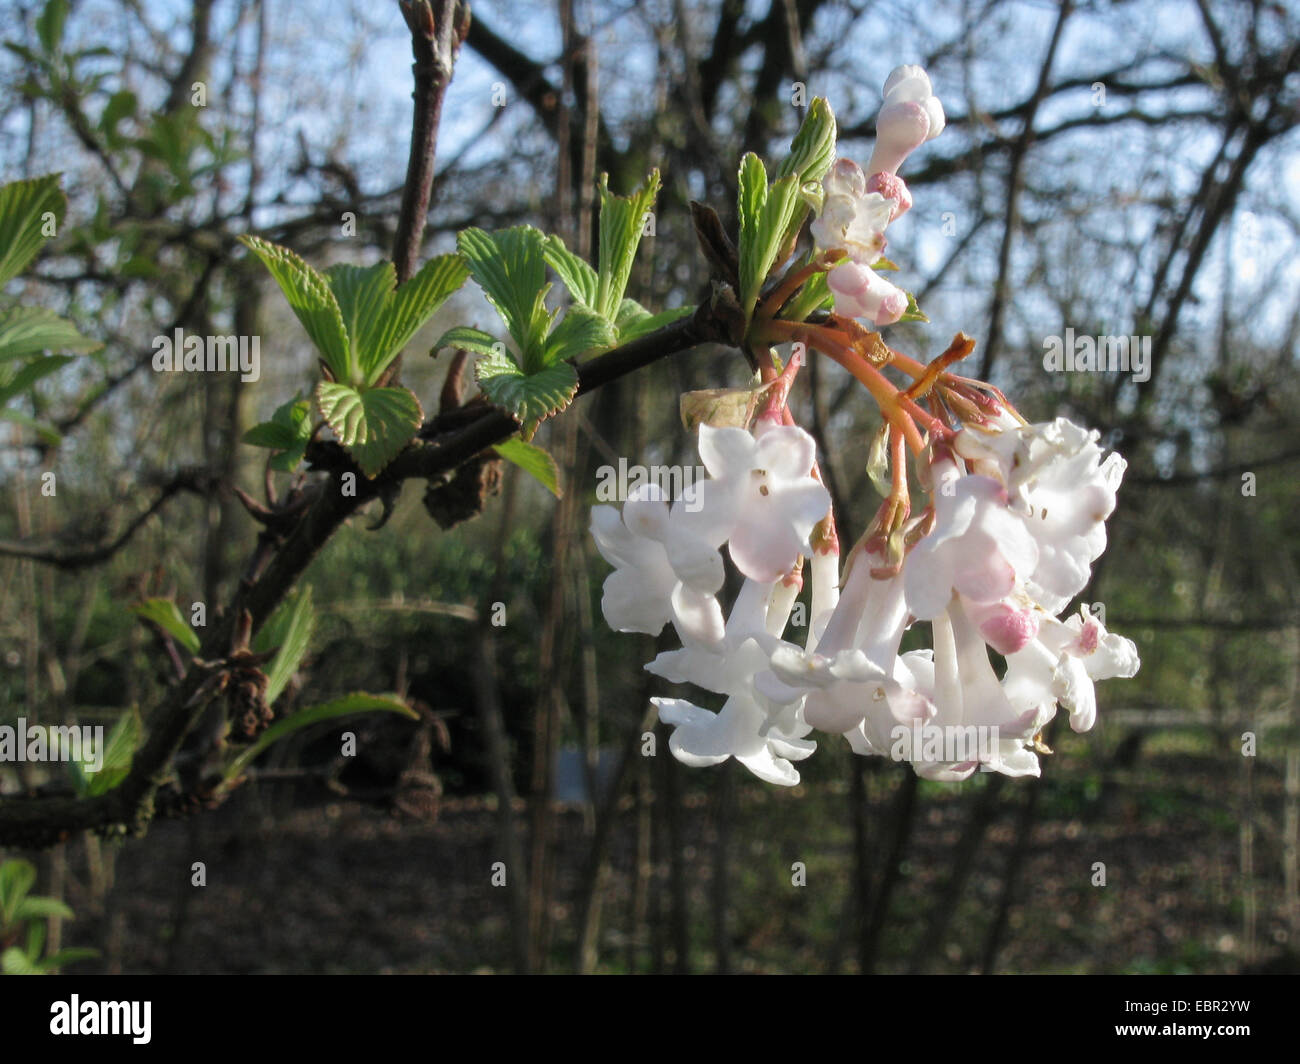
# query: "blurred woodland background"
{"type": "Point", "coordinates": [1112, 167]}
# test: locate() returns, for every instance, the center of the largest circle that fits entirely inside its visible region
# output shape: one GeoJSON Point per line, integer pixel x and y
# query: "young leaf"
{"type": "Point", "coordinates": [813, 149]}
{"type": "Point", "coordinates": [165, 615]}
{"type": "Point", "coordinates": [119, 752]}
{"type": "Point", "coordinates": [375, 425]}
{"type": "Point", "coordinates": [510, 267]}
{"type": "Point", "coordinates": [33, 330]}
{"type": "Point", "coordinates": [530, 398]}
{"type": "Point", "coordinates": [579, 278]}
{"type": "Point", "coordinates": [288, 432]}
{"type": "Point", "coordinates": [634, 320]}
{"type": "Point", "coordinates": [290, 629]}
{"type": "Point", "coordinates": [49, 25]}
{"type": "Point", "coordinates": [471, 339]}
{"type": "Point", "coordinates": [25, 207]}
{"type": "Point", "coordinates": [622, 221]}
{"type": "Point", "coordinates": [17, 877]}
{"type": "Point", "coordinates": [813, 296]}
{"type": "Point", "coordinates": [581, 332]}
{"type": "Point", "coordinates": [534, 461]}
{"type": "Point", "coordinates": [339, 707]}
{"type": "Point", "coordinates": [913, 312]}
{"type": "Point", "coordinates": [363, 294]}
{"type": "Point", "coordinates": [28, 375]}
{"type": "Point", "coordinates": [312, 301]}
{"type": "Point", "coordinates": [411, 305]}
{"type": "Point", "coordinates": [765, 216]}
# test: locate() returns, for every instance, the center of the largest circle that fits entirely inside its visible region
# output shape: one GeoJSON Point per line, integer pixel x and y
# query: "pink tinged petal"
{"type": "Point", "coordinates": [713, 515]}
{"type": "Point", "coordinates": [844, 620]}
{"type": "Point", "coordinates": [825, 594]}
{"type": "Point", "coordinates": [985, 577]}
{"type": "Point", "coordinates": [907, 82]}
{"type": "Point", "coordinates": [771, 769]}
{"type": "Point", "coordinates": [938, 120]}
{"type": "Point", "coordinates": [845, 178]}
{"type": "Point", "coordinates": [1074, 687]}
{"type": "Point", "coordinates": [726, 452]}
{"type": "Point", "coordinates": [883, 620]}
{"type": "Point", "coordinates": [697, 617]}
{"type": "Point", "coordinates": [1115, 658]}
{"type": "Point", "coordinates": [1004, 627]}
{"type": "Point", "coordinates": [612, 537]}
{"type": "Point", "coordinates": [770, 686]}
{"type": "Point", "coordinates": [927, 580]}
{"type": "Point", "coordinates": [893, 188]}
{"type": "Point", "coordinates": [765, 547]}
{"type": "Point", "coordinates": [1018, 760]}
{"type": "Point", "coordinates": [793, 749]}
{"type": "Point", "coordinates": [785, 451]}
{"type": "Point", "coordinates": [901, 127]}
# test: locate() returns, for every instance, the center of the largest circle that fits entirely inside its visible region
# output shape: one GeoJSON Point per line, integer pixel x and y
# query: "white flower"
{"type": "Point", "coordinates": [910, 115]}
{"type": "Point", "coordinates": [740, 730]}
{"type": "Point", "coordinates": [1056, 479]}
{"type": "Point", "coordinates": [852, 218]}
{"type": "Point", "coordinates": [977, 547]}
{"type": "Point", "coordinates": [662, 571]}
{"type": "Point", "coordinates": [761, 498]}
{"type": "Point", "coordinates": [1062, 665]}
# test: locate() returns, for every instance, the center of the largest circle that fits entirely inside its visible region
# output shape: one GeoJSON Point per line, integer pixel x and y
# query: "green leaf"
{"type": "Point", "coordinates": [14, 961]}
{"type": "Point", "coordinates": [37, 908]}
{"type": "Point", "coordinates": [288, 432]}
{"type": "Point", "coordinates": [311, 299]}
{"type": "Point", "coordinates": [362, 294]}
{"type": "Point", "coordinates": [765, 216]}
{"type": "Point", "coordinates": [49, 25]}
{"type": "Point", "coordinates": [23, 209]}
{"type": "Point", "coordinates": [339, 707]}
{"type": "Point", "coordinates": [534, 461]}
{"type": "Point", "coordinates": [813, 149]}
{"type": "Point", "coordinates": [622, 221]}
{"type": "Point", "coordinates": [471, 339]}
{"type": "Point", "coordinates": [375, 425]}
{"type": "Point", "coordinates": [64, 957]}
{"type": "Point", "coordinates": [581, 332]}
{"type": "Point", "coordinates": [913, 312]}
{"type": "Point", "coordinates": [122, 104]}
{"type": "Point", "coordinates": [33, 330]}
{"type": "Point", "coordinates": [290, 629]}
{"type": "Point", "coordinates": [119, 752]}
{"type": "Point", "coordinates": [165, 615]}
{"type": "Point", "coordinates": [814, 295]}
{"type": "Point", "coordinates": [17, 877]}
{"type": "Point", "coordinates": [510, 267]}
{"type": "Point", "coordinates": [634, 320]}
{"type": "Point", "coordinates": [579, 278]}
{"type": "Point", "coordinates": [23, 381]}
{"type": "Point", "coordinates": [410, 307]}
{"type": "Point", "coordinates": [529, 397]}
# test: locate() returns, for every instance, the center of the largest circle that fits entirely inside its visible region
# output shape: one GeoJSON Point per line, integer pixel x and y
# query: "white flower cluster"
{"type": "Point", "coordinates": [1016, 523]}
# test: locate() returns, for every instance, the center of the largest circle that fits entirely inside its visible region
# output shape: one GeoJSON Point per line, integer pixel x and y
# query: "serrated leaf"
{"type": "Point", "coordinates": [510, 267]}
{"type": "Point", "coordinates": [631, 326]}
{"type": "Point", "coordinates": [581, 332]}
{"type": "Point", "coordinates": [471, 339]}
{"type": "Point", "coordinates": [528, 397]}
{"type": "Point", "coordinates": [375, 425]}
{"type": "Point", "coordinates": [28, 331]}
{"type": "Point", "coordinates": [766, 213]}
{"type": "Point", "coordinates": [813, 149]}
{"type": "Point", "coordinates": [534, 461]}
{"type": "Point", "coordinates": [411, 306]}
{"type": "Point", "coordinates": [340, 707]}
{"type": "Point", "coordinates": [313, 302]}
{"type": "Point", "coordinates": [290, 630]}
{"type": "Point", "coordinates": [164, 613]}
{"type": "Point", "coordinates": [579, 278]}
{"type": "Point", "coordinates": [622, 221]}
{"type": "Point", "coordinates": [23, 206]}
{"type": "Point", "coordinates": [362, 294]}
